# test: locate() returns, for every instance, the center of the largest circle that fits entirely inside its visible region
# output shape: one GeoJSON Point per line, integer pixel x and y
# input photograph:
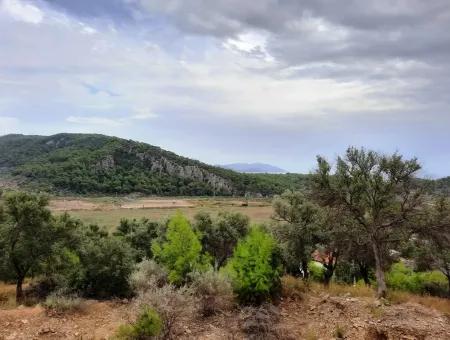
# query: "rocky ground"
{"type": "Point", "coordinates": [316, 316]}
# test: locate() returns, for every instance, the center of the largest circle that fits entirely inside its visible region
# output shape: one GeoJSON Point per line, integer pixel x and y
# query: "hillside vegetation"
{"type": "Point", "coordinates": [91, 164]}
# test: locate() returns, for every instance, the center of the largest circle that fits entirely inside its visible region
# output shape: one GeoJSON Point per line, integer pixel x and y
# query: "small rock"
{"type": "Point", "coordinates": [24, 321]}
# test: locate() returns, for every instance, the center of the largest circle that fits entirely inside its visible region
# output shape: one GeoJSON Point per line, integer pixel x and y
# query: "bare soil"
{"type": "Point", "coordinates": [316, 316]}
{"type": "Point", "coordinates": [158, 203]}
{"type": "Point", "coordinates": [69, 205]}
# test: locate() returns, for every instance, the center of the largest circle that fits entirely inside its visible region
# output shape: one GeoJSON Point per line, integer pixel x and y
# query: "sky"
{"type": "Point", "coordinates": [274, 81]}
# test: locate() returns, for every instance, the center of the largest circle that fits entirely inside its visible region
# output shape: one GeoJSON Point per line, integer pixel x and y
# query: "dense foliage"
{"type": "Point", "coordinates": [85, 163]}
{"type": "Point", "coordinates": [255, 267]}
{"type": "Point", "coordinates": [219, 236]}
{"type": "Point", "coordinates": [377, 193]}
{"type": "Point", "coordinates": [181, 252]}
{"type": "Point", "coordinates": [29, 236]}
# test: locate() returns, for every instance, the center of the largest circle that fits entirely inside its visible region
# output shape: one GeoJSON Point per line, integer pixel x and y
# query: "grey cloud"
{"type": "Point", "coordinates": [320, 30]}
{"type": "Point", "coordinates": [118, 10]}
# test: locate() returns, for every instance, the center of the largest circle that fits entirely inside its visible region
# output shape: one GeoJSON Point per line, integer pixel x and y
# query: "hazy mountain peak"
{"type": "Point", "coordinates": [254, 168]}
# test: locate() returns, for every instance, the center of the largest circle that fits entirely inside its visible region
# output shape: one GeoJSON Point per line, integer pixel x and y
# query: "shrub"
{"type": "Point", "coordinates": [260, 322]}
{"type": "Point", "coordinates": [403, 278]}
{"type": "Point", "coordinates": [214, 291]}
{"type": "Point", "coordinates": [148, 324]}
{"type": "Point", "coordinates": [181, 253]}
{"type": "Point", "coordinates": [60, 303]}
{"type": "Point", "coordinates": [172, 304]}
{"type": "Point", "coordinates": [139, 234]}
{"type": "Point", "coordinates": [147, 274]}
{"type": "Point", "coordinates": [255, 267]}
{"type": "Point", "coordinates": [107, 264]}
{"type": "Point", "coordinates": [316, 271]}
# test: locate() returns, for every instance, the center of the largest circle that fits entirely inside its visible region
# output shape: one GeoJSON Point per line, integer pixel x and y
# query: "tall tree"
{"type": "Point", "coordinates": [27, 235]}
{"type": "Point", "coordinates": [434, 236]}
{"type": "Point", "coordinates": [219, 236]}
{"type": "Point", "coordinates": [298, 230]}
{"type": "Point", "coordinates": [377, 191]}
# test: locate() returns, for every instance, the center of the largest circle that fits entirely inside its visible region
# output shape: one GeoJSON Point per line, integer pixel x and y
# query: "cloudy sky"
{"type": "Point", "coordinates": [275, 81]}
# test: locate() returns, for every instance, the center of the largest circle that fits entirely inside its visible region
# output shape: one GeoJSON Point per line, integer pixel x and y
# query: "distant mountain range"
{"type": "Point", "coordinates": [97, 164]}
{"type": "Point", "coordinates": [254, 168]}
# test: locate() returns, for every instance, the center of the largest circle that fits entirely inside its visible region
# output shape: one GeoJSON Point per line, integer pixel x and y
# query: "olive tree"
{"type": "Point", "coordinates": [28, 234]}
{"type": "Point", "coordinates": [378, 192]}
{"type": "Point", "coordinates": [298, 230]}
{"type": "Point", "coordinates": [220, 235]}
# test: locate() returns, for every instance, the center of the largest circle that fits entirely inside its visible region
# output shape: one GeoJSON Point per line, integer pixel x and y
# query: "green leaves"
{"type": "Point", "coordinates": [255, 267]}
{"type": "Point", "coordinates": [219, 236]}
{"type": "Point", "coordinates": [181, 253]}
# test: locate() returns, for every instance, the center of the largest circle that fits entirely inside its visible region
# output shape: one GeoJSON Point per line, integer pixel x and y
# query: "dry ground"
{"type": "Point", "coordinates": [319, 314]}
{"type": "Point", "coordinates": [108, 211]}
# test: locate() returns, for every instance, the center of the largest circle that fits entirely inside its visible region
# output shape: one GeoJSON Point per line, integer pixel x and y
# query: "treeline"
{"type": "Point", "coordinates": [96, 164]}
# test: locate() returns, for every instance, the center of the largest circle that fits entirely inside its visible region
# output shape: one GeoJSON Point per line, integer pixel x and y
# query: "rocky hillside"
{"type": "Point", "coordinates": [90, 163]}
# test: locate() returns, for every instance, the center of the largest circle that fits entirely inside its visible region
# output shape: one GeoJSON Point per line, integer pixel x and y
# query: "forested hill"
{"type": "Point", "coordinates": [98, 164]}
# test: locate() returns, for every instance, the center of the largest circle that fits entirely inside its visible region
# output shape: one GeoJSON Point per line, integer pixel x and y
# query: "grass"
{"type": "Point", "coordinates": [111, 218]}
{"type": "Point", "coordinates": [440, 304]}
{"type": "Point", "coordinates": [342, 289]}
{"type": "Point", "coordinates": [293, 288]}
{"type": "Point", "coordinates": [60, 303]}
{"type": "Point", "coordinates": [7, 295]}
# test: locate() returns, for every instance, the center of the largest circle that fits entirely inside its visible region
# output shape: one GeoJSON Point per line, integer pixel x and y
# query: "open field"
{"type": "Point", "coordinates": [107, 211]}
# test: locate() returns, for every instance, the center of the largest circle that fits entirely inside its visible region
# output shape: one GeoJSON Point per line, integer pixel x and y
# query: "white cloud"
{"type": "Point", "coordinates": [251, 42]}
{"type": "Point", "coordinates": [143, 114]}
{"type": "Point", "coordinates": [22, 11]}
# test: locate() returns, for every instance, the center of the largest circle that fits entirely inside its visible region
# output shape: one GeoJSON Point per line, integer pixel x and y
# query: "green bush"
{"type": "Point", "coordinates": [316, 271]}
{"type": "Point", "coordinates": [148, 324]}
{"type": "Point", "coordinates": [107, 263]}
{"type": "Point", "coordinates": [181, 252]}
{"type": "Point", "coordinates": [139, 234]}
{"type": "Point", "coordinates": [255, 267]}
{"type": "Point", "coordinates": [403, 278]}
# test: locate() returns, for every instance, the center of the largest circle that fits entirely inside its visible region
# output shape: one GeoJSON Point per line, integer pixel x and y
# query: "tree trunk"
{"type": "Point", "coordinates": [19, 290]}
{"type": "Point", "coordinates": [364, 271]}
{"type": "Point", "coordinates": [305, 270]}
{"type": "Point", "coordinates": [379, 272]}
{"type": "Point", "coordinates": [328, 274]}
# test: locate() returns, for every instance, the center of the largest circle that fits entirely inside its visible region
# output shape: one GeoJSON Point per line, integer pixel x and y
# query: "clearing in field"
{"type": "Point", "coordinates": [108, 211]}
